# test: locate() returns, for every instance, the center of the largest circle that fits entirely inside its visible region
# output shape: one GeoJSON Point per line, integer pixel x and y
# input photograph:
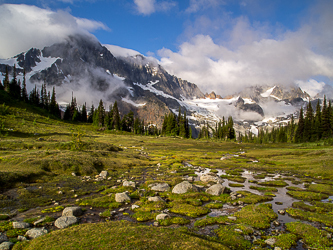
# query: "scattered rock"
{"type": "Point", "coordinates": [135, 206]}
{"type": "Point", "coordinates": [6, 245]}
{"type": "Point", "coordinates": [216, 189]}
{"type": "Point", "coordinates": [270, 241]}
{"type": "Point", "coordinates": [65, 221]}
{"type": "Point", "coordinates": [184, 187]}
{"type": "Point", "coordinates": [160, 187]}
{"type": "Point", "coordinates": [122, 197]}
{"type": "Point", "coordinates": [276, 223]}
{"type": "Point", "coordinates": [73, 174]}
{"type": "Point", "coordinates": [72, 211]}
{"type": "Point", "coordinates": [129, 184]}
{"type": "Point", "coordinates": [156, 224]}
{"type": "Point", "coordinates": [277, 248]}
{"type": "Point", "coordinates": [247, 237]}
{"type": "Point", "coordinates": [35, 232]}
{"type": "Point", "coordinates": [282, 211]}
{"type": "Point", "coordinates": [3, 237]}
{"type": "Point", "coordinates": [210, 178]}
{"type": "Point", "coordinates": [103, 174]}
{"type": "Point", "coordinates": [232, 218]}
{"type": "Point", "coordinates": [21, 238]}
{"type": "Point", "coordinates": [238, 230]}
{"type": "Point", "coordinates": [162, 216]}
{"type": "Point", "coordinates": [20, 225]}
{"type": "Point", "coordinates": [155, 199]}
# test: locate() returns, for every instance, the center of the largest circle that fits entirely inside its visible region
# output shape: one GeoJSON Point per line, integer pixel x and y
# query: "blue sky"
{"type": "Point", "coordinates": [221, 45]}
{"type": "Point", "coordinates": [149, 29]}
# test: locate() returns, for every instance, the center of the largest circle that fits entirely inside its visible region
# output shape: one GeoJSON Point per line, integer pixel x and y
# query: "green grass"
{"type": "Point", "coordinates": [307, 196]}
{"type": "Point", "coordinates": [35, 170]}
{"type": "Point", "coordinates": [122, 235]}
{"type": "Point", "coordinates": [312, 236]}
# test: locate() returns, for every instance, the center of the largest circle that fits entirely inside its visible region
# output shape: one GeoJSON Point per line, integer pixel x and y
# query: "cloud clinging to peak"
{"type": "Point", "coordinates": [24, 26]}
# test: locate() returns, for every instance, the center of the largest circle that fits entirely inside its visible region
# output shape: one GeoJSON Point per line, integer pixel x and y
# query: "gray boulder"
{"type": "Point", "coordinates": [122, 197]}
{"type": "Point", "coordinates": [103, 174]}
{"type": "Point", "coordinates": [65, 221]}
{"type": "Point", "coordinates": [160, 187]}
{"type": "Point", "coordinates": [20, 225]}
{"type": "Point", "coordinates": [270, 241]}
{"type": "Point", "coordinates": [155, 199]}
{"type": "Point", "coordinates": [6, 245]}
{"type": "Point", "coordinates": [162, 216]}
{"type": "Point", "coordinates": [184, 187]}
{"type": "Point", "coordinates": [210, 178]}
{"type": "Point", "coordinates": [35, 232]}
{"type": "Point", "coordinates": [216, 189]}
{"type": "Point", "coordinates": [72, 211]}
{"type": "Point", "coordinates": [3, 237]}
{"type": "Point", "coordinates": [129, 184]}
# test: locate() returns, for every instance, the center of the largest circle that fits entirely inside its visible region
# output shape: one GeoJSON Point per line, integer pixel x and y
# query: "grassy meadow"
{"type": "Point", "coordinates": [43, 162]}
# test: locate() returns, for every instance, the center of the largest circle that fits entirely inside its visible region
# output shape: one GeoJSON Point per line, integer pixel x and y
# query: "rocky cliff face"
{"type": "Point", "coordinates": [83, 59]}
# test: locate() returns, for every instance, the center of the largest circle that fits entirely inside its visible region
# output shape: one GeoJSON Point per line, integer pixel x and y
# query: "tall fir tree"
{"type": "Point", "coordinates": [24, 93]}
{"type": "Point", "coordinates": [116, 116]}
{"type": "Point", "coordinates": [318, 123]}
{"type": "Point", "coordinates": [84, 113]}
{"type": "Point", "coordinates": [308, 123]}
{"type": "Point", "coordinates": [299, 135]}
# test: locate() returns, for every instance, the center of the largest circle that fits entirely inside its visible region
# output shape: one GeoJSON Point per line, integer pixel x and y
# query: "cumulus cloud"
{"type": "Point", "coordinates": [36, 27]}
{"type": "Point", "coordinates": [196, 5]}
{"type": "Point", "coordinates": [312, 87]}
{"type": "Point", "coordinates": [254, 54]}
{"type": "Point", "coordinates": [147, 7]}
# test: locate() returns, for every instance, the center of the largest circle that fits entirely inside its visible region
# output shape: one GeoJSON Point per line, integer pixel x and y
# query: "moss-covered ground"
{"type": "Point", "coordinates": [47, 164]}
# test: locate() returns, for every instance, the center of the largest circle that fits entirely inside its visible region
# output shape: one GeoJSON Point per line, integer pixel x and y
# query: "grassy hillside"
{"type": "Point", "coordinates": [40, 156]}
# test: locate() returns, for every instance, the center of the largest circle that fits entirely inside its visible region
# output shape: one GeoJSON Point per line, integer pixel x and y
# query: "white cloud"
{"type": "Point", "coordinates": [147, 7]}
{"type": "Point", "coordinates": [312, 87]}
{"type": "Point", "coordinates": [197, 5]}
{"type": "Point", "coordinates": [36, 27]}
{"type": "Point", "coordinates": [252, 55]}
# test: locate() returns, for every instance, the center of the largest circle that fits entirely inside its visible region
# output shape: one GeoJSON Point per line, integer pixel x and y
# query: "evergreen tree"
{"type": "Point", "coordinates": [84, 113]}
{"type": "Point", "coordinates": [54, 107]}
{"type": "Point", "coordinates": [326, 123]}
{"type": "Point", "coordinates": [318, 122]}
{"type": "Point", "coordinates": [299, 136]}
{"type": "Point", "coordinates": [24, 93]}
{"type": "Point", "coordinates": [6, 80]}
{"type": "Point", "coordinates": [231, 130]}
{"type": "Point", "coordinates": [308, 123]}
{"type": "Point", "coordinates": [91, 114]}
{"type": "Point", "coordinates": [116, 116]}
{"type": "Point", "coordinates": [101, 113]}
{"type": "Point", "coordinates": [67, 115]}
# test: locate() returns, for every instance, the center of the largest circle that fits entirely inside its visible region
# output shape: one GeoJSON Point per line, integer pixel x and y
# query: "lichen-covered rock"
{"type": "Point", "coordinates": [122, 197]}
{"type": "Point", "coordinates": [155, 199]}
{"type": "Point", "coordinates": [20, 225]}
{"type": "Point", "coordinates": [162, 216]}
{"type": "Point", "coordinates": [160, 187]}
{"type": "Point", "coordinates": [216, 190]}
{"type": "Point", "coordinates": [65, 221]}
{"type": "Point", "coordinates": [210, 178]}
{"type": "Point", "coordinates": [35, 232]}
{"type": "Point", "coordinates": [6, 245]}
{"type": "Point", "coordinates": [184, 187]}
{"type": "Point", "coordinates": [72, 211]}
{"type": "Point", "coordinates": [129, 184]}
{"type": "Point", "coordinates": [103, 174]}
{"type": "Point", "coordinates": [3, 237]}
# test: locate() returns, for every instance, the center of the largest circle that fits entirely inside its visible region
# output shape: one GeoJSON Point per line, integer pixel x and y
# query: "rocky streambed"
{"type": "Point", "coordinates": [241, 208]}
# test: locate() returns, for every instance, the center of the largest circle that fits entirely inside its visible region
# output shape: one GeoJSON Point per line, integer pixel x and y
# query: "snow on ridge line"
{"type": "Point", "coordinates": [268, 92]}
{"type": "Point", "coordinates": [133, 103]}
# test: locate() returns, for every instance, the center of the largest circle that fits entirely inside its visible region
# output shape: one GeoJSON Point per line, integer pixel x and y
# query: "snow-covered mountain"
{"type": "Point", "coordinates": [92, 72]}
